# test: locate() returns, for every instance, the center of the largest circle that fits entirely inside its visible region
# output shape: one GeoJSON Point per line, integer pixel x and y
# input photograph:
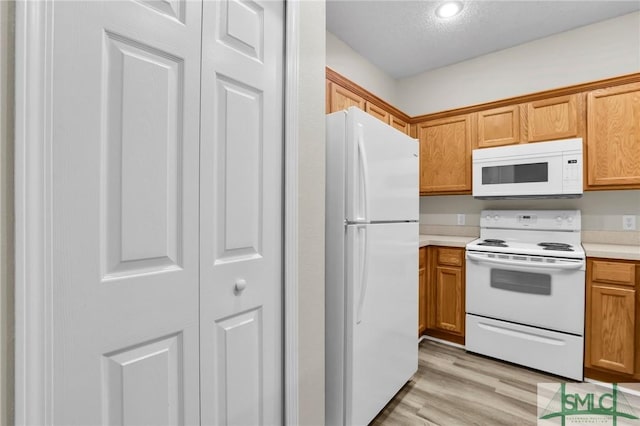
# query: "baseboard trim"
{"type": "Point", "coordinates": [444, 342]}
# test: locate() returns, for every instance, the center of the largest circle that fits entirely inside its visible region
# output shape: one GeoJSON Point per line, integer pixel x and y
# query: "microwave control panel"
{"type": "Point", "coordinates": [572, 172]}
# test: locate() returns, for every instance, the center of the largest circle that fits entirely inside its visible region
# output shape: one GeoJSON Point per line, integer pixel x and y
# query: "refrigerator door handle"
{"type": "Point", "coordinates": [363, 176]}
{"type": "Point", "coordinates": [364, 267]}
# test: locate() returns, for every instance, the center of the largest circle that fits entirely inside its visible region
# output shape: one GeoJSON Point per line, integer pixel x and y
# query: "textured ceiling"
{"type": "Point", "coordinates": [404, 38]}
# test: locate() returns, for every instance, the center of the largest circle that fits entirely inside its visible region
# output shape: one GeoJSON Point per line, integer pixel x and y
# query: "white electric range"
{"type": "Point", "coordinates": [525, 281]}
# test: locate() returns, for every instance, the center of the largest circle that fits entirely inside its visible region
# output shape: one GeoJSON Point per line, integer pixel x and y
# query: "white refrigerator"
{"type": "Point", "coordinates": [371, 313]}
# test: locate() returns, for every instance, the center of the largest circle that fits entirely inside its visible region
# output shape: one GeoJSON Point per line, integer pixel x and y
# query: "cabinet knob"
{"type": "Point", "coordinates": [240, 286]}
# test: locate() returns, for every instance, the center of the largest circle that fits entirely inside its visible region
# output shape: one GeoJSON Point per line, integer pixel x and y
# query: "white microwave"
{"type": "Point", "coordinates": [534, 170]}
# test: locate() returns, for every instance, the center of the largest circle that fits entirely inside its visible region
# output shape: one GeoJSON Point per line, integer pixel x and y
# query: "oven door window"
{"type": "Point", "coordinates": [521, 282]}
{"type": "Point", "coordinates": [516, 173]}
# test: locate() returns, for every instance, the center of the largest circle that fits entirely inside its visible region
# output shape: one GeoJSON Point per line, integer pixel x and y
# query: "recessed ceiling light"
{"type": "Point", "coordinates": [449, 9]}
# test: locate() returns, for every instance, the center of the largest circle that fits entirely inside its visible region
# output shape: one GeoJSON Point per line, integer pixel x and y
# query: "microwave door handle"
{"type": "Point", "coordinates": [541, 265]}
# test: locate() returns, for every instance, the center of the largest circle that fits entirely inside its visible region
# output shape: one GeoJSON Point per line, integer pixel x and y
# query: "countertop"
{"type": "Point", "coordinates": [444, 240]}
{"type": "Point", "coordinates": [612, 251]}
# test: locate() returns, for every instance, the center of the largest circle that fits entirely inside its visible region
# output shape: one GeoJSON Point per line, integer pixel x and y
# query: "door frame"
{"type": "Point", "coordinates": [33, 212]}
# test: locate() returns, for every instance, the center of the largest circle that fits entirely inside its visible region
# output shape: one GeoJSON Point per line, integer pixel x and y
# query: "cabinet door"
{"type": "Point", "coordinates": [611, 326]}
{"type": "Point", "coordinates": [499, 126]}
{"type": "Point", "coordinates": [554, 118]}
{"type": "Point", "coordinates": [398, 123]}
{"type": "Point", "coordinates": [422, 291]}
{"type": "Point", "coordinates": [342, 98]}
{"type": "Point", "coordinates": [377, 112]}
{"type": "Point", "coordinates": [445, 155]}
{"type": "Point", "coordinates": [449, 297]}
{"type": "Point", "coordinates": [613, 137]}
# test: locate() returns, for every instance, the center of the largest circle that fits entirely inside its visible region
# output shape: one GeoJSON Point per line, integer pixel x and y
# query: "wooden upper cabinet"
{"type": "Point", "coordinates": [399, 124]}
{"type": "Point", "coordinates": [613, 137]}
{"type": "Point", "coordinates": [554, 118]}
{"type": "Point", "coordinates": [499, 126]}
{"type": "Point", "coordinates": [608, 119]}
{"type": "Point", "coordinates": [445, 155]}
{"type": "Point", "coordinates": [342, 94]}
{"type": "Point", "coordinates": [342, 98]}
{"type": "Point", "coordinates": [377, 112]}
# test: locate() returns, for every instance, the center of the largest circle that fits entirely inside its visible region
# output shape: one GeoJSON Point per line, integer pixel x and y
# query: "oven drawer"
{"type": "Point", "coordinates": [556, 353]}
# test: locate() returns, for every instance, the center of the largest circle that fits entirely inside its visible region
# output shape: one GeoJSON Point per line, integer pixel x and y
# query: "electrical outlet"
{"type": "Point", "coordinates": [461, 219]}
{"type": "Point", "coordinates": [629, 222]}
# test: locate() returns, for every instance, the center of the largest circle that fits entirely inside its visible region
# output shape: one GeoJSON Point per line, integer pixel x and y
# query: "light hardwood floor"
{"type": "Point", "coordinates": [453, 387]}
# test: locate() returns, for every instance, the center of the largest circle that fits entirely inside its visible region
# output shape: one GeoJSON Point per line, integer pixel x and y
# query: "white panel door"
{"type": "Point", "coordinates": [241, 213]}
{"type": "Point", "coordinates": [382, 171]}
{"type": "Point", "coordinates": [125, 127]}
{"type": "Point", "coordinates": [381, 315]}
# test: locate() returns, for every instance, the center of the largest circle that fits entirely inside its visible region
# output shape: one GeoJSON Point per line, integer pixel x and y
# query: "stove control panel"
{"type": "Point", "coordinates": [526, 219]}
{"type": "Point", "coordinates": [552, 220]}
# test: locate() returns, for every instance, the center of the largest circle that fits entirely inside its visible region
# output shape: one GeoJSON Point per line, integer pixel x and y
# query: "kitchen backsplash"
{"type": "Point", "coordinates": [602, 213]}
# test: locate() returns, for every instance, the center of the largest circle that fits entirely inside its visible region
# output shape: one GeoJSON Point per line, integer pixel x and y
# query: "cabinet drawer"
{"type": "Point", "coordinates": [451, 257]}
{"type": "Point", "coordinates": [614, 272]}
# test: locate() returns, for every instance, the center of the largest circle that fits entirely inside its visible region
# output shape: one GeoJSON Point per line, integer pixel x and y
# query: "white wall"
{"type": "Point", "coordinates": [343, 59]}
{"type": "Point", "coordinates": [6, 212]}
{"type": "Point", "coordinates": [605, 49]}
{"type": "Point", "coordinates": [311, 212]}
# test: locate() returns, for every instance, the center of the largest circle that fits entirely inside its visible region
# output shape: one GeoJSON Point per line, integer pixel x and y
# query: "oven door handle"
{"type": "Point", "coordinates": [565, 266]}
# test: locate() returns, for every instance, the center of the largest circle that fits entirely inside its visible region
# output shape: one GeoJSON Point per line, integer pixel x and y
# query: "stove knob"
{"type": "Point", "coordinates": [569, 219]}
{"type": "Point", "coordinates": [559, 219]}
{"type": "Point", "coordinates": [496, 217]}
{"type": "Point", "coordinates": [488, 217]}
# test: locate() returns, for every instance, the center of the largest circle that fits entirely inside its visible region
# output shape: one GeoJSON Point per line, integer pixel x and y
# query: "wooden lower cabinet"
{"type": "Point", "coordinates": [444, 304]}
{"type": "Point", "coordinates": [422, 290]}
{"type": "Point", "coordinates": [612, 322]}
{"type": "Point", "coordinates": [449, 311]}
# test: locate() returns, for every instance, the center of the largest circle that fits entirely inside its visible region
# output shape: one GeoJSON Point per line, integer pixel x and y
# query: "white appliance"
{"type": "Point", "coordinates": [533, 170]}
{"type": "Point", "coordinates": [371, 265]}
{"type": "Point", "coordinates": [525, 290]}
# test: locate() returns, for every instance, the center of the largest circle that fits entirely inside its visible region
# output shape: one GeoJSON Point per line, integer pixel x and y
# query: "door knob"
{"type": "Point", "coordinates": [240, 286]}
